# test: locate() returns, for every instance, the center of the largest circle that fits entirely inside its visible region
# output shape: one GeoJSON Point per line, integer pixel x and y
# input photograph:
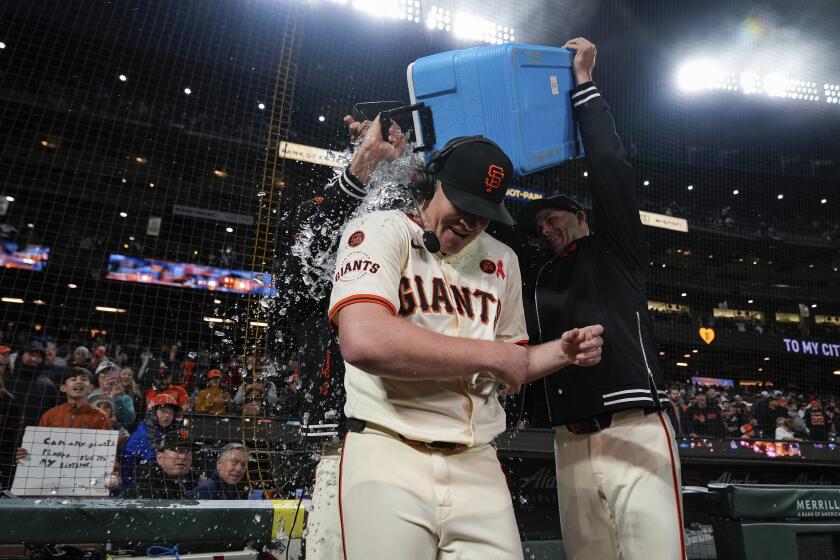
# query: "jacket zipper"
{"type": "Point", "coordinates": [644, 357]}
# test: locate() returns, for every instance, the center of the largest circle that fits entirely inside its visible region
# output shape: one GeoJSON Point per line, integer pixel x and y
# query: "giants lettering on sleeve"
{"type": "Point", "coordinates": [457, 299]}
{"type": "Point", "coordinates": [355, 266]}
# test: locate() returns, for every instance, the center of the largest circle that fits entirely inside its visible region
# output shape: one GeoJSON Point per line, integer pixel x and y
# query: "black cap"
{"type": "Point", "coordinates": [35, 348]}
{"type": "Point", "coordinates": [176, 440]}
{"type": "Point", "coordinates": [474, 176]}
{"type": "Point", "coordinates": [527, 219]}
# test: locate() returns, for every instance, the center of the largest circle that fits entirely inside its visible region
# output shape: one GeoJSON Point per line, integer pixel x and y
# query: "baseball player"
{"type": "Point", "coordinates": [429, 315]}
{"type": "Point", "coordinates": [618, 471]}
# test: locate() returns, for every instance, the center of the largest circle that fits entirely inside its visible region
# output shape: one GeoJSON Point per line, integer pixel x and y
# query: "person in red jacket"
{"type": "Point", "coordinates": [163, 385]}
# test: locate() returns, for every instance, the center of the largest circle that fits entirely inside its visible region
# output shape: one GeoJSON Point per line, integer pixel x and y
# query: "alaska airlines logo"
{"type": "Point", "coordinates": [463, 300]}
{"type": "Point", "coordinates": [495, 174]}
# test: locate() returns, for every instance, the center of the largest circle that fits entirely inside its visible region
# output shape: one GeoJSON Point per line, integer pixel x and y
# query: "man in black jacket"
{"type": "Point", "coordinates": [172, 477]}
{"type": "Point", "coordinates": [618, 472]}
{"type": "Point", "coordinates": [224, 484]}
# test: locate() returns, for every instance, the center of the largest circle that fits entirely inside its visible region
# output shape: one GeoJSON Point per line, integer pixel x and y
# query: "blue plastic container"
{"type": "Point", "coordinates": [516, 95]}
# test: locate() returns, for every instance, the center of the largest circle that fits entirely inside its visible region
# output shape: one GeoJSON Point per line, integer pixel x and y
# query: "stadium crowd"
{"type": "Point", "coordinates": [148, 404]}
{"type": "Point", "coordinates": [87, 389]}
{"type": "Point", "coordinates": [724, 412]}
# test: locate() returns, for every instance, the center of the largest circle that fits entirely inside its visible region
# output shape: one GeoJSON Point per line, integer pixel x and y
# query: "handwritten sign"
{"type": "Point", "coordinates": [65, 462]}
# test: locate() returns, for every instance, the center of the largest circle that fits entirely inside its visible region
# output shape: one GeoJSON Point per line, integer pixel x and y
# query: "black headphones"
{"type": "Point", "coordinates": [425, 177]}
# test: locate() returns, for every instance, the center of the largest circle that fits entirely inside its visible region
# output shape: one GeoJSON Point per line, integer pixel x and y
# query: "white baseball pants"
{"type": "Point", "coordinates": [620, 490]}
{"type": "Point", "coordinates": [400, 501]}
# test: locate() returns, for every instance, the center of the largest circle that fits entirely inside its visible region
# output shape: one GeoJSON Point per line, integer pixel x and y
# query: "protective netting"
{"type": "Point", "coordinates": [160, 211]}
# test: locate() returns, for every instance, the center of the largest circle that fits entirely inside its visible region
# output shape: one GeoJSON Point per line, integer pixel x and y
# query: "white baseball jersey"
{"type": "Point", "coordinates": [475, 294]}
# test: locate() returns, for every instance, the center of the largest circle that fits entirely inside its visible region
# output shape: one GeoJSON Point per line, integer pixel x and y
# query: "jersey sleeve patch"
{"type": "Point", "coordinates": [355, 266]}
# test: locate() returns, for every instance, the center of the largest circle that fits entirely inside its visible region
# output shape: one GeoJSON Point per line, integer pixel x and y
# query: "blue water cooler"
{"type": "Point", "coordinates": [516, 95]}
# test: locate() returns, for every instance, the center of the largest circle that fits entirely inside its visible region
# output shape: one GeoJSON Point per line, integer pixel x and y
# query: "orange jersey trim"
{"type": "Point", "coordinates": [359, 298]}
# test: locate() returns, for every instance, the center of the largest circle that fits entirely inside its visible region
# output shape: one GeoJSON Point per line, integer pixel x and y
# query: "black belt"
{"type": "Point", "coordinates": [597, 423]}
{"type": "Point", "coordinates": [358, 426]}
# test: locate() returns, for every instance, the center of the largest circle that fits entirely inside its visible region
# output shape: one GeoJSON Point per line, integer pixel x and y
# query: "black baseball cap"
{"type": "Point", "coordinates": [475, 175]}
{"type": "Point", "coordinates": [527, 219]}
{"type": "Point", "coordinates": [176, 440]}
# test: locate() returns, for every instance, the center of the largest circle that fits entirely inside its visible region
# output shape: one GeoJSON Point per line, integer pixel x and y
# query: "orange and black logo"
{"type": "Point", "coordinates": [487, 266]}
{"type": "Point", "coordinates": [356, 238]}
{"type": "Point", "coordinates": [495, 174]}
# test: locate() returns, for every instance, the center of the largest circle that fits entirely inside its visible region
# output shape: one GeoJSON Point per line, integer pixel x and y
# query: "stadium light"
{"type": "Point", "coordinates": [823, 201]}
{"type": "Point", "coordinates": [106, 309]}
{"type": "Point", "coordinates": [837, 372]}
{"type": "Point", "coordinates": [123, 77]}
{"type": "Point", "coordinates": [736, 192]}
{"type": "Point", "coordinates": [682, 364]}
{"type": "Point", "coordinates": [408, 10]}
{"type": "Point", "coordinates": [439, 18]}
{"type": "Point", "coordinates": [698, 75]}
{"type": "Point", "coordinates": [471, 27]}
{"type": "Point", "coordinates": [11, 300]}
{"type": "Point", "coordinates": [775, 85]}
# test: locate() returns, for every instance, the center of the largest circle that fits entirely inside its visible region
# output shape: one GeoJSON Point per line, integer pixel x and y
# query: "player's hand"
{"type": "Point", "coordinates": [584, 60]}
{"type": "Point", "coordinates": [373, 148]}
{"type": "Point", "coordinates": [583, 346]}
{"type": "Point", "coordinates": [512, 367]}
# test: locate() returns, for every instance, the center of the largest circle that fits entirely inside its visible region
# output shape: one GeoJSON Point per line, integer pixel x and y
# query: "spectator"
{"type": "Point", "coordinates": [98, 357]}
{"type": "Point", "coordinates": [52, 357]}
{"type": "Point", "coordinates": [80, 357]}
{"type": "Point", "coordinates": [214, 399]}
{"type": "Point", "coordinates": [77, 412]}
{"type": "Point", "coordinates": [703, 420]}
{"type": "Point", "coordinates": [224, 483]}
{"type": "Point", "coordinates": [783, 431]}
{"type": "Point", "coordinates": [816, 421]}
{"type": "Point", "coordinates": [142, 446]}
{"type": "Point", "coordinates": [767, 410]}
{"type": "Point", "coordinates": [33, 390]}
{"type": "Point", "coordinates": [254, 406]}
{"type": "Point", "coordinates": [108, 381]}
{"type": "Point", "coordinates": [105, 403]}
{"type": "Point", "coordinates": [676, 412]}
{"type": "Point", "coordinates": [5, 362]}
{"type": "Point", "coordinates": [230, 373]}
{"type": "Point", "coordinates": [10, 428]}
{"type": "Point", "coordinates": [171, 477]}
{"type": "Point", "coordinates": [732, 421]}
{"type": "Point", "coordinates": [130, 388]}
{"type": "Point", "coordinates": [262, 389]}
{"type": "Point", "coordinates": [163, 385]}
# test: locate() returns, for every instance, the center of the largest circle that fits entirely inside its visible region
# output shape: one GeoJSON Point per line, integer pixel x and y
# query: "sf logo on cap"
{"type": "Point", "coordinates": [495, 174]}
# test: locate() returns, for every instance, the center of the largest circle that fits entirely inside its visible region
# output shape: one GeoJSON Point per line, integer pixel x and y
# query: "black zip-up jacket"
{"type": "Point", "coordinates": [599, 279]}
